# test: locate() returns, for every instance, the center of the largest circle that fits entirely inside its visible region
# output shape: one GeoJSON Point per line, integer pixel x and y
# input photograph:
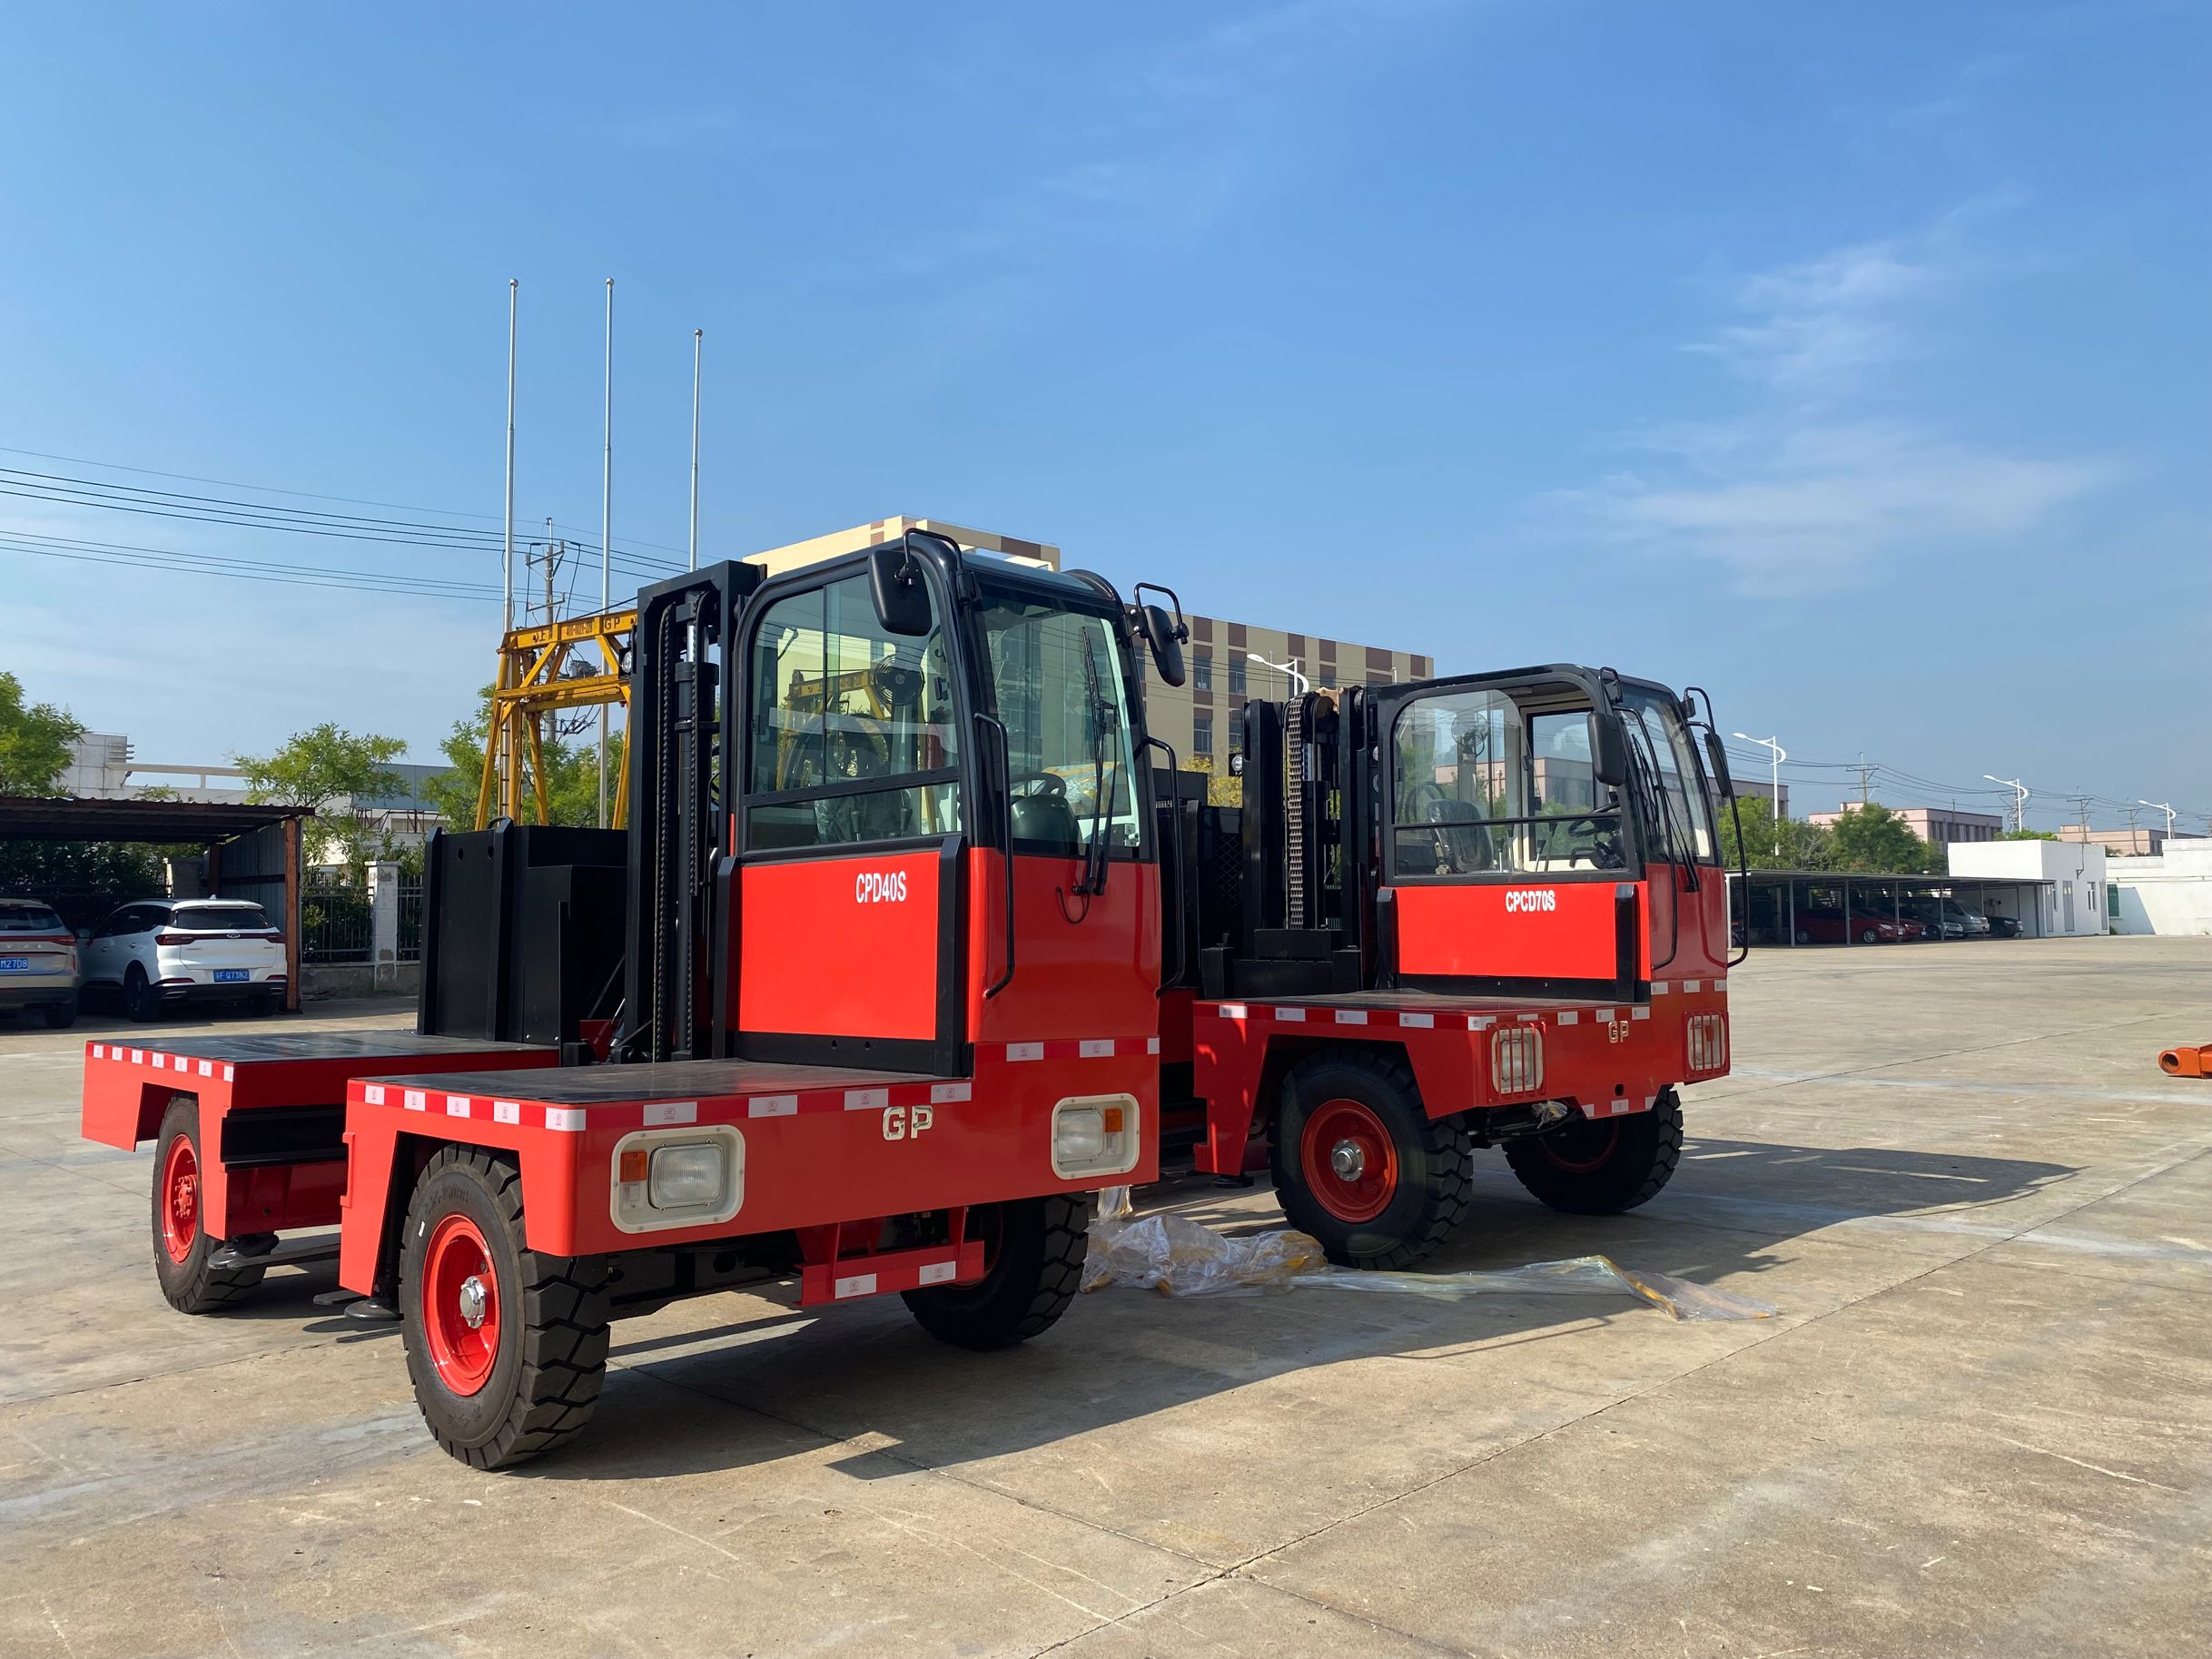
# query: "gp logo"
{"type": "Point", "coordinates": [880, 887]}
{"type": "Point", "coordinates": [1524, 899]}
{"type": "Point", "coordinates": [907, 1123]}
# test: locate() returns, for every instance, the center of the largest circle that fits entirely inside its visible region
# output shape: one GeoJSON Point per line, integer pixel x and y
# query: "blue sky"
{"type": "Point", "coordinates": [1853, 363]}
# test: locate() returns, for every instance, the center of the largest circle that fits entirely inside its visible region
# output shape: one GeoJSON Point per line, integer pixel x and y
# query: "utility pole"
{"type": "Point", "coordinates": [698, 350]}
{"type": "Point", "coordinates": [2081, 804]}
{"type": "Point", "coordinates": [2019, 804]}
{"type": "Point", "coordinates": [607, 527]}
{"type": "Point", "coordinates": [1862, 780]}
{"type": "Point", "coordinates": [1777, 754]}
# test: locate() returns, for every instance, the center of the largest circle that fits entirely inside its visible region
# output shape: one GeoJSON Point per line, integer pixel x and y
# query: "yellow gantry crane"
{"type": "Point", "coordinates": [536, 681]}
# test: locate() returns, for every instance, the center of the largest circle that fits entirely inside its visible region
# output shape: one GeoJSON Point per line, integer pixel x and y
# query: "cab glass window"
{"type": "Point", "coordinates": [1663, 747]}
{"type": "Point", "coordinates": [1481, 787]}
{"type": "Point", "coordinates": [854, 735]}
{"type": "Point", "coordinates": [1056, 685]}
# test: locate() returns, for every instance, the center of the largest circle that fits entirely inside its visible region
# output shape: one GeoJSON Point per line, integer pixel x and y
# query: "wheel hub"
{"type": "Point", "coordinates": [474, 1301]}
{"type": "Point", "coordinates": [1349, 1161]}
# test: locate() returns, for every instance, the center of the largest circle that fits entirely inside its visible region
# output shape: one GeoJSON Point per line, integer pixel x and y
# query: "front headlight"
{"type": "Point", "coordinates": [687, 1175]}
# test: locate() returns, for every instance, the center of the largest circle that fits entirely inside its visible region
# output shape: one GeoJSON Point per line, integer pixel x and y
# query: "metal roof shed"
{"type": "Point", "coordinates": [253, 852]}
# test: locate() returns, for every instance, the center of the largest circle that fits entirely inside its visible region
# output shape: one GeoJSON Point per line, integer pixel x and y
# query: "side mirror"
{"type": "Point", "coordinates": [1717, 758]}
{"type": "Point", "coordinates": [1160, 634]}
{"type": "Point", "coordinates": [1608, 749]}
{"type": "Point", "coordinates": [895, 585]}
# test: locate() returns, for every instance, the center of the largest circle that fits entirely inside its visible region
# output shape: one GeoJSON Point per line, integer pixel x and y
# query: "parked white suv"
{"type": "Point", "coordinates": [39, 961]}
{"type": "Point", "coordinates": [159, 953]}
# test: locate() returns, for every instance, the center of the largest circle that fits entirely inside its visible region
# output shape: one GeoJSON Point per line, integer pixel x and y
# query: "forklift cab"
{"type": "Point", "coordinates": [932, 831]}
{"type": "Point", "coordinates": [1544, 832]}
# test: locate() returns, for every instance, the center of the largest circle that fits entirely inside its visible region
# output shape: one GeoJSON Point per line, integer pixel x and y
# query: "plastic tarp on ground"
{"type": "Point", "coordinates": [1175, 1256]}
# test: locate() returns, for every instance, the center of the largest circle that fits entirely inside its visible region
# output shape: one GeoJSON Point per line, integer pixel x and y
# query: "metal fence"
{"type": "Point", "coordinates": [410, 922]}
{"type": "Point", "coordinates": [334, 923]}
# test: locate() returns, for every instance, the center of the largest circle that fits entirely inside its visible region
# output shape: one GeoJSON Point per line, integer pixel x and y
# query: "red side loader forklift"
{"type": "Point", "coordinates": [909, 949]}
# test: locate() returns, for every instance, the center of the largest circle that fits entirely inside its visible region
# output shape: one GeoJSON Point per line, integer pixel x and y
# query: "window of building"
{"type": "Point", "coordinates": [853, 735]}
{"type": "Point", "coordinates": [1236, 676]}
{"type": "Point", "coordinates": [1202, 735]}
{"type": "Point", "coordinates": [1201, 671]}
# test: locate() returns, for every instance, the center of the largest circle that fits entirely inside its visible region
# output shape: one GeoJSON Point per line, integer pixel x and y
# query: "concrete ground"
{"type": "Point", "coordinates": [1982, 1424]}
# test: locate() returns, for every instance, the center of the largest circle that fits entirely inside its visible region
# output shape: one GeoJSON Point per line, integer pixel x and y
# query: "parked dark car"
{"type": "Point", "coordinates": [1827, 927]}
{"type": "Point", "coordinates": [2004, 927]}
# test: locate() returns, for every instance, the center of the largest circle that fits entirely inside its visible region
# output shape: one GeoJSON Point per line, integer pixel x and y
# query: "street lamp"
{"type": "Point", "coordinates": [2161, 806]}
{"type": "Point", "coordinates": [1299, 683]}
{"type": "Point", "coordinates": [1778, 755]}
{"type": "Point", "coordinates": [2019, 807]}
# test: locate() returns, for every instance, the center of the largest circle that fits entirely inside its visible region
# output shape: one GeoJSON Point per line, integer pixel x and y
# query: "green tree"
{"type": "Point", "coordinates": [2028, 835]}
{"type": "Point", "coordinates": [1873, 838]}
{"type": "Point", "coordinates": [83, 880]}
{"type": "Point", "coordinates": [1792, 845]}
{"type": "Point", "coordinates": [322, 764]}
{"type": "Point", "coordinates": [34, 742]}
{"type": "Point", "coordinates": [572, 772]}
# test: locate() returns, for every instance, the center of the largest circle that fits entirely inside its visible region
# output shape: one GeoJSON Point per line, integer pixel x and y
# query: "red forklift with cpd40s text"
{"type": "Point", "coordinates": [909, 948]}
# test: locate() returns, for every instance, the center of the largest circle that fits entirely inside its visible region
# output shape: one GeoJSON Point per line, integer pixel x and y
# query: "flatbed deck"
{"type": "Point", "coordinates": [689, 1079]}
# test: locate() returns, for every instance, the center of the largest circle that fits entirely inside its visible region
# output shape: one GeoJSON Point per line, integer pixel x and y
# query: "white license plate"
{"type": "Point", "coordinates": [232, 976]}
{"type": "Point", "coordinates": [14, 964]}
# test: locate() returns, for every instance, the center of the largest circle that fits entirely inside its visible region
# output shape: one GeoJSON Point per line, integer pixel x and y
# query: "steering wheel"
{"type": "Point", "coordinates": [1047, 785]}
{"type": "Point", "coordinates": [1605, 838]}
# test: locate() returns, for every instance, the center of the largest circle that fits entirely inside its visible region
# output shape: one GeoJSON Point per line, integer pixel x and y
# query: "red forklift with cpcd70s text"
{"type": "Point", "coordinates": [908, 949]}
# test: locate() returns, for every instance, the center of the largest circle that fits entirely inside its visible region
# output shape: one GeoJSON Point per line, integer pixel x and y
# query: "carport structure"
{"type": "Point", "coordinates": [1777, 901]}
{"type": "Point", "coordinates": [253, 852]}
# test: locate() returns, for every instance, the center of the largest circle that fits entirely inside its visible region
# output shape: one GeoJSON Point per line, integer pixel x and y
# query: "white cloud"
{"type": "Point", "coordinates": [1810, 488]}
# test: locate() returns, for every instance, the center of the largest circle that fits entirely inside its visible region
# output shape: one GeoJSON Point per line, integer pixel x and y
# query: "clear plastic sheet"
{"type": "Point", "coordinates": [1176, 1256]}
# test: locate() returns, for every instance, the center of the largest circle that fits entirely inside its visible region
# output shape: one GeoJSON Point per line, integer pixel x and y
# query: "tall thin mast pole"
{"type": "Point", "coordinates": [506, 614]}
{"type": "Point", "coordinates": [607, 527]}
{"type": "Point", "coordinates": [699, 348]}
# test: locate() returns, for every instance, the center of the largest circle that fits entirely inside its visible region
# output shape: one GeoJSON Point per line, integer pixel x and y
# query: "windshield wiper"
{"type": "Point", "coordinates": [1100, 713]}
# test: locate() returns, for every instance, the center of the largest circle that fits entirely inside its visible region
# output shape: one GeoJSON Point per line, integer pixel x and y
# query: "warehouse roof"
{"type": "Point", "coordinates": [190, 823]}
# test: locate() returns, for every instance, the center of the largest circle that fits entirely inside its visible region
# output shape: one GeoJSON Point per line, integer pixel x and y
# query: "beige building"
{"type": "Point", "coordinates": [1227, 662]}
{"type": "Point", "coordinates": [2124, 843]}
{"type": "Point", "coordinates": [815, 548]}
{"type": "Point", "coordinates": [1937, 826]}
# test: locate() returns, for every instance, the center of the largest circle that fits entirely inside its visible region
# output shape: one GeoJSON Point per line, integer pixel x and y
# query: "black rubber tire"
{"type": "Point", "coordinates": [1033, 1268]}
{"type": "Point", "coordinates": [1435, 1159]}
{"type": "Point", "coordinates": [1867, 935]}
{"type": "Point", "coordinates": [1641, 1152]}
{"type": "Point", "coordinates": [190, 1285]}
{"type": "Point", "coordinates": [552, 1357]}
{"type": "Point", "coordinates": [138, 999]}
{"type": "Point", "coordinates": [1803, 937]}
{"type": "Point", "coordinates": [268, 1007]}
{"type": "Point", "coordinates": [59, 1016]}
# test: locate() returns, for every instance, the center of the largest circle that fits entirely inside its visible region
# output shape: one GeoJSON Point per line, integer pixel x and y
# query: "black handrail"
{"type": "Point", "coordinates": [1183, 896]}
{"type": "Point", "coordinates": [1005, 755]}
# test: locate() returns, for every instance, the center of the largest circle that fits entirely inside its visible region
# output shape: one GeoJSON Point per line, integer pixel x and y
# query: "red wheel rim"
{"type": "Point", "coordinates": [461, 1305]}
{"type": "Point", "coordinates": [179, 1199]}
{"type": "Point", "coordinates": [1350, 1159]}
{"type": "Point", "coordinates": [1581, 1147]}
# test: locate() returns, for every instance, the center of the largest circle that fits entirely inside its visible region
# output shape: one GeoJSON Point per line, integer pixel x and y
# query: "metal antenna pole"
{"type": "Point", "coordinates": [698, 349]}
{"type": "Point", "coordinates": [506, 614]}
{"type": "Point", "coordinates": [607, 527]}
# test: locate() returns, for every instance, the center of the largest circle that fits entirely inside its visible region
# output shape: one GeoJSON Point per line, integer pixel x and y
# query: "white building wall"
{"type": "Point", "coordinates": [2168, 895]}
{"type": "Point", "coordinates": [2073, 905]}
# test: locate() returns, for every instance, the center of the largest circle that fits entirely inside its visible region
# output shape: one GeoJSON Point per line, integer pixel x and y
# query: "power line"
{"type": "Point", "coordinates": [304, 495]}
